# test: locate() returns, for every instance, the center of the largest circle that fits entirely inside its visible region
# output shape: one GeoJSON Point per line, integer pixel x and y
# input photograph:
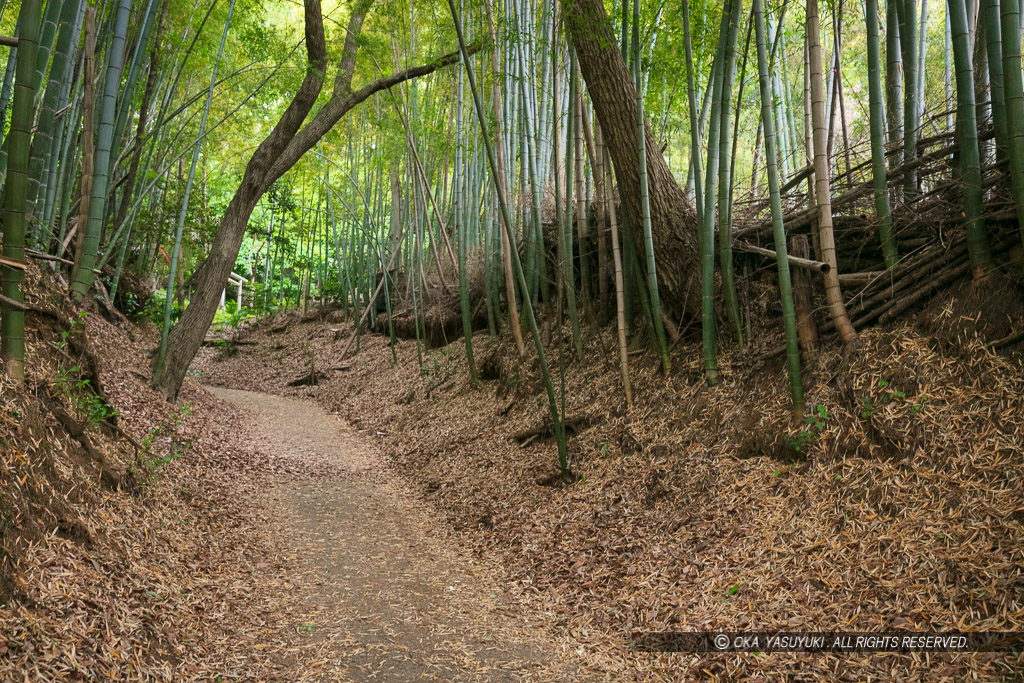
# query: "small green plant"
{"type": "Point", "coordinates": [231, 315]}
{"type": "Point", "coordinates": [154, 309]}
{"type": "Point", "coordinates": [438, 368]}
{"type": "Point", "coordinates": [868, 407]}
{"type": "Point", "coordinates": [78, 389]}
{"type": "Point", "coordinates": [75, 325]}
{"type": "Point", "coordinates": [149, 461]}
{"type": "Point", "coordinates": [815, 424]}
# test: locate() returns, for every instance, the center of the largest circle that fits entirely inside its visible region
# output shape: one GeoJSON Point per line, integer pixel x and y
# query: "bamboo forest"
{"type": "Point", "coordinates": [512, 340]}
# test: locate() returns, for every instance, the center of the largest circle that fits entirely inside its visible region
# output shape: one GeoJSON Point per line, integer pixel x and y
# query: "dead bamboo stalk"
{"type": "Point", "coordinates": [805, 263]}
{"type": "Point", "coordinates": [806, 329]}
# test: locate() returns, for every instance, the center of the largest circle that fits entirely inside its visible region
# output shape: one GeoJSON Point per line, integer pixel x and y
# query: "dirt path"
{"type": "Point", "coordinates": [391, 600]}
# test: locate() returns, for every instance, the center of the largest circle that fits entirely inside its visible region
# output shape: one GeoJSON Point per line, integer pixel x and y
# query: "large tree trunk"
{"type": "Point", "coordinates": [673, 221]}
{"type": "Point", "coordinates": [187, 336]}
{"type": "Point", "coordinates": [285, 145]}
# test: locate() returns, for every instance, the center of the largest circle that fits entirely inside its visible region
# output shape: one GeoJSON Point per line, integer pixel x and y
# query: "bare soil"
{"type": "Point", "coordinates": [395, 601]}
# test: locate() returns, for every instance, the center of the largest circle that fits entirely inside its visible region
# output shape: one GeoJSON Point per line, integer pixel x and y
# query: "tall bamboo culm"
{"type": "Point", "coordinates": [823, 195]}
{"type": "Point", "coordinates": [1013, 87]}
{"type": "Point", "coordinates": [877, 125]}
{"type": "Point", "coordinates": [967, 140]}
{"type": "Point", "coordinates": [12, 326]}
{"type": "Point", "coordinates": [645, 205]}
{"type": "Point", "coordinates": [556, 418]}
{"type": "Point", "coordinates": [796, 389]}
{"type": "Point", "coordinates": [83, 275]}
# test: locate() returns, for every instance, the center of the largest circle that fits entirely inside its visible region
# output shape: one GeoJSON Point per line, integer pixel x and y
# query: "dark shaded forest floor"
{"type": "Point", "coordinates": [695, 509]}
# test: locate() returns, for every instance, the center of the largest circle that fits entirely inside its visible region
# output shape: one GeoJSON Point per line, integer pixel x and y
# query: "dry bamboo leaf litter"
{"type": "Point", "coordinates": [199, 573]}
{"type": "Point", "coordinates": [903, 511]}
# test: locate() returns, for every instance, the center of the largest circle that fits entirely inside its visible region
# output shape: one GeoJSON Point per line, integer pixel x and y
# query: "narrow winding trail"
{"type": "Point", "coordinates": [393, 599]}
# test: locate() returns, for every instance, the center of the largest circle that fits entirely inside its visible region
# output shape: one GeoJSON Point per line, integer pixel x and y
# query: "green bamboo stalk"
{"type": "Point", "coordinates": [947, 70]}
{"type": "Point", "coordinates": [967, 141]}
{"type": "Point", "coordinates": [620, 304]}
{"type": "Point", "coordinates": [694, 163]}
{"type": "Point", "coordinates": [725, 175]}
{"type": "Point", "coordinates": [739, 108]}
{"type": "Point", "coordinates": [462, 216]}
{"type": "Point", "coordinates": [877, 124]}
{"type": "Point", "coordinates": [58, 174]}
{"type": "Point", "coordinates": [922, 54]}
{"type": "Point", "coordinates": [893, 76]}
{"type": "Point", "coordinates": [132, 78]}
{"type": "Point", "coordinates": [12, 325]}
{"type": "Point", "coordinates": [645, 202]}
{"type": "Point", "coordinates": [42, 143]}
{"type": "Point", "coordinates": [565, 226]}
{"type": "Point", "coordinates": [695, 132]}
{"type": "Point", "coordinates": [5, 97]}
{"type": "Point", "coordinates": [582, 218]}
{"type": "Point", "coordinates": [779, 97]}
{"type": "Point", "coordinates": [994, 51]}
{"type": "Point", "coordinates": [912, 107]}
{"type": "Point", "coordinates": [47, 33]}
{"type": "Point", "coordinates": [500, 129]}
{"type": "Point", "coordinates": [537, 267]}
{"type": "Point", "coordinates": [557, 424]}
{"type": "Point", "coordinates": [158, 367]}
{"type": "Point", "coordinates": [707, 233]}
{"type": "Point", "coordinates": [83, 275]}
{"type": "Point", "coordinates": [1013, 83]}
{"type": "Point", "coordinates": [785, 284]}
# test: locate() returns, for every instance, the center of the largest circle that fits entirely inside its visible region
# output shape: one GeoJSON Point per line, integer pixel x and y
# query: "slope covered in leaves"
{"type": "Point", "coordinates": [895, 507]}
{"type": "Point", "coordinates": [134, 565]}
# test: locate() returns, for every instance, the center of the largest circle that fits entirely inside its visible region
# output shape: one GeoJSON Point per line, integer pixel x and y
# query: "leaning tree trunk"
{"type": "Point", "coordinates": [673, 225]}
{"type": "Point", "coordinates": [281, 150]}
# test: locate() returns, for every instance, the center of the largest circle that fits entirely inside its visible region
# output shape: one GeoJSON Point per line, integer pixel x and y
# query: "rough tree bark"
{"type": "Point", "coordinates": [673, 222]}
{"type": "Point", "coordinates": [280, 151]}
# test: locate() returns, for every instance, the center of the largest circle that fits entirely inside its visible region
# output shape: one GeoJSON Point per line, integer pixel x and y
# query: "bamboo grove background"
{"type": "Point", "coordinates": [127, 127]}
